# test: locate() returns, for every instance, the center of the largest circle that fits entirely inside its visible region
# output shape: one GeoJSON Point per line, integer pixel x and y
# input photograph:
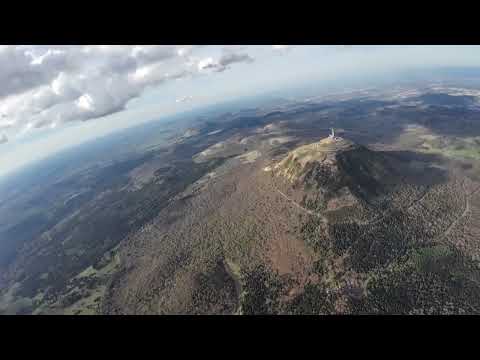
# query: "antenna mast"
{"type": "Point", "coordinates": [332, 134]}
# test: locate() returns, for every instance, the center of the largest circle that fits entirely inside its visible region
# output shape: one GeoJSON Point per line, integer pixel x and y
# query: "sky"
{"type": "Point", "coordinates": [54, 97]}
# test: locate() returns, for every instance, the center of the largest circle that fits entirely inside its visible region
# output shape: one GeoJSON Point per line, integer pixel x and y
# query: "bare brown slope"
{"type": "Point", "coordinates": [237, 218]}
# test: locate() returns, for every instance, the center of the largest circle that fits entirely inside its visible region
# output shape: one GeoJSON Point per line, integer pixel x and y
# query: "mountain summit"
{"type": "Point", "coordinates": [325, 151]}
{"type": "Point", "coordinates": [335, 164]}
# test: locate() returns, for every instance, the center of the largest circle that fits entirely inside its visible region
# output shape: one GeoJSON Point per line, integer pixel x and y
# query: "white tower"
{"type": "Point", "coordinates": [332, 134]}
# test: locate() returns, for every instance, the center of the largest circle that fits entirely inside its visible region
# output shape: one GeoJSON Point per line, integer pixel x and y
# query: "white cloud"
{"type": "Point", "coordinates": [184, 99]}
{"type": "Point", "coordinates": [223, 63]}
{"type": "Point", "coordinates": [3, 139]}
{"type": "Point", "coordinates": [85, 102]}
{"type": "Point", "coordinates": [24, 69]}
{"type": "Point", "coordinates": [45, 85]}
{"type": "Point", "coordinates": [232, 58]}
{"type": "Point", "coordinates": [206, 63]}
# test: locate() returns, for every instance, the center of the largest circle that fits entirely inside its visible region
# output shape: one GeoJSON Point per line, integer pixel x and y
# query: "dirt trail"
{"type": "Point", "coordinates": [388, 212]}
{"type": "Point", "coordinates": [238, 284]}
{"type": "Point", "coordinates": [301, 207]}
{"type": "Point", "coordinates": [465, 211]}
{"type": "Point", "coordinates": [362, 223]}
{"type": "Point", "coordinates": [375, 221]}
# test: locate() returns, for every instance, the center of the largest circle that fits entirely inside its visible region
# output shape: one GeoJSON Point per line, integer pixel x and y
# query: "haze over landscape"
{"type": "Point", "coordinates": [239, 179]}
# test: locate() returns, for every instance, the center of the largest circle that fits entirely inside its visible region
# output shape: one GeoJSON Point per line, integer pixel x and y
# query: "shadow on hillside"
{"type": "Point", "coordinates": [420, 168]}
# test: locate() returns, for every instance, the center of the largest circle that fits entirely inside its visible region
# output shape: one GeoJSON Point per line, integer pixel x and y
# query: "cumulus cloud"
{"type": "Point", "coordinates": [233, 58]}
{"type": "Point", "coordinates": [206, 63]}
{"type": "Point", "coordinates": [224, 61]}
{"type": "Point", "coordinates": [24, 69]}
{"type": "Point", "coordinates": [3, 139]}
{"type": "Point", "coordinates": [50, 85]}
{"type": "Point", "coordinates": [184, 99]}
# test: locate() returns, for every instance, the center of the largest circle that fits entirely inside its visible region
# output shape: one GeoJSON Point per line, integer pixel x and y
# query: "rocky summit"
{"type": "Point", "coordinates": [324, 152]}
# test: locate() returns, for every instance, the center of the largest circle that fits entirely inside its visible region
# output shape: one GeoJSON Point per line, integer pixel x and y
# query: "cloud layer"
{"type": "Point", "coordinates": [50, 85]}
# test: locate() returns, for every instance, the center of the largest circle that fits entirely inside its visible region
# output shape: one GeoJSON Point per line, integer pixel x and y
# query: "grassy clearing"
{"type": "Point", "coordinates": [81, 299]}
{"type": "Point", "coordinates": [453, 148]}
{"type": "Point", "coordinates": [421, 138]}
